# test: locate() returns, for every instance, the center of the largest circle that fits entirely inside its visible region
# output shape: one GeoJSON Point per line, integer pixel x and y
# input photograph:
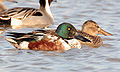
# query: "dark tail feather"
{"type": "Point", "coordinates": [17, 35]}
{"type": "Point", "coordinates": [40, 30]}
{"type": "Point", "coordinates": [5, 21]}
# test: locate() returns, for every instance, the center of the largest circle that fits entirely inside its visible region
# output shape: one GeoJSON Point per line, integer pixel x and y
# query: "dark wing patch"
{"type": "Point", "coordinates": [17, 35]}
{"type": "Point", "coordinates": [24, 9]}
{"type": "Point", "coordinates": [27, 39]}
{"type": "Point", "coordinates": [37, 14]}
{"type": "Point", "coordinates": [40, 30]}
{"type": "Point", "coordinates": [11, 12]}
{"type": "Point", "coordinates": [24, 39]}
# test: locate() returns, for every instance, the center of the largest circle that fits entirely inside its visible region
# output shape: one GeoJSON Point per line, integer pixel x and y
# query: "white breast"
{"type": "Point", "coordinates": [74, 43]}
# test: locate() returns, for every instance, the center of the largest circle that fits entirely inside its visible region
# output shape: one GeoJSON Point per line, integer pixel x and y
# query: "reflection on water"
{"type": "Point", "coordinates": [103, 59]}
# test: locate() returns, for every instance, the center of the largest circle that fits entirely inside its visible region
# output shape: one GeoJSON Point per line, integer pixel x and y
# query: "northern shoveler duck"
{"type": "Point", "coordinates": [22, 17]}
{"type": "Point", "coordinates": [2, 7]}
{"type": "Point", "coordinates": [64, 37]}
{"type": "Point", "coordinates": [90, 29]}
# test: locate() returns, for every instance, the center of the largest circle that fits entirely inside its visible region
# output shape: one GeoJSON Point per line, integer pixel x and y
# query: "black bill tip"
{"type": "Point", "coordinates": [79, 37]}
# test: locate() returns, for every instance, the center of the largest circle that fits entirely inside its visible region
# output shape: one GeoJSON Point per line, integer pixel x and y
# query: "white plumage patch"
{"type": "Point", "coordinates": [40, 37]}
{"type": "Point", "coordinates": [67, 46]}
{"type": "Point", "coordinates": [24, 45]}
{"type": "Point", "coordinates": [48, 8]}
{"type": "Point", "coordinates": [74, 43]}
{"type": "Point", "coordinates": [52, 38]}
{"type": "Point", "coordinates": [15, 23]}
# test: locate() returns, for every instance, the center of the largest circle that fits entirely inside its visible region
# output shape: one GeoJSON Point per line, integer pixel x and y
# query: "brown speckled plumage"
{"type": "Point", "coordinates": [89, 31]}
{"type": "Point", "coordinates": [96, 41]}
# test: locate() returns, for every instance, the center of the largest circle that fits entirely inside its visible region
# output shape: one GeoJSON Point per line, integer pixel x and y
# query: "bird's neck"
{"type": "Point", "coordinates": [45, 6]}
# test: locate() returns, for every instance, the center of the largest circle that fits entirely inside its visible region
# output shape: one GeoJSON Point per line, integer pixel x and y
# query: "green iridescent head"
{"type": "Point", "coordinates": [66, 30]}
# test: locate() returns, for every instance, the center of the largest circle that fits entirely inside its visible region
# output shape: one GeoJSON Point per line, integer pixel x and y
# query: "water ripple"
{"type": "Point", "coordinates": [103, 59]}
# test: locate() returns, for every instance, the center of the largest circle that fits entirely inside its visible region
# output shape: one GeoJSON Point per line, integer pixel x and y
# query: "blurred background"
{"type": "Point", "coordinates": [103, 59]}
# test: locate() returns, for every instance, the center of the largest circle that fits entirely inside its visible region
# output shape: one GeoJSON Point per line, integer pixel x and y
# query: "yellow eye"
{"type": "Point", "coordinates": [69, 29]}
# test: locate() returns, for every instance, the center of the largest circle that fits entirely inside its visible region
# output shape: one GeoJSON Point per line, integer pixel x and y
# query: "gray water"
{"type": "Point", "coordinates": [103, 59]}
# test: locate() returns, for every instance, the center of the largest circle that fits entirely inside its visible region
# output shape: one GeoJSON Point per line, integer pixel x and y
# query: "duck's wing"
{"type": "Point", "coordinates": [17, 35]}
{"type": "Point", "coordinates": [20, 13]}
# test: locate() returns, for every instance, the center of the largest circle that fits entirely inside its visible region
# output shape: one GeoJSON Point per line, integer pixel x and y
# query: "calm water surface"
{"type": "Point", "coordinates": [103, 59]}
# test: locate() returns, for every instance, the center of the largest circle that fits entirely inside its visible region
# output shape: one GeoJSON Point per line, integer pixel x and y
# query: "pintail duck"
{"type": "Point", "coordinates": [63, 38]}
{"type": "Point", "coordinates": [2, 7]}
{"type": "Point", "coordinates": [21, 17]}
{"type": "Point", "coordinates": [89, 30]}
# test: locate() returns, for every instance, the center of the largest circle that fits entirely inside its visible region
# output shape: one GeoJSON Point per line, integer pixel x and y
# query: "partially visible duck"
{"type": "Point", "coordinates": [90, 29]}
{"type": "Point", "coordinates": [2, 7]}
{"type": "Point", "coordinates": [25, 17]}
{"type": "Point", "coordinates": [64, 37]}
